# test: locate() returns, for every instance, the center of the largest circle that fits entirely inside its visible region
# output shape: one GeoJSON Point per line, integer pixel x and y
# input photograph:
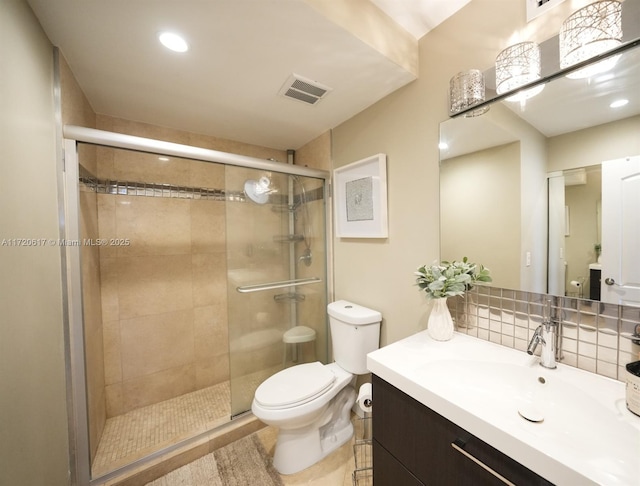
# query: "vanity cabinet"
{"type": "Point", "coordinates": [413, 445]}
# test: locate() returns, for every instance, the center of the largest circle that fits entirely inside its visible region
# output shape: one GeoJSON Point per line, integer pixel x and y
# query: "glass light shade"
{"type": "Point", "coordinates": [466, 89]}
{"type": "Point", "coordinates": [516, 66]}
{"type": "Point", "coordinates": [588, 32]}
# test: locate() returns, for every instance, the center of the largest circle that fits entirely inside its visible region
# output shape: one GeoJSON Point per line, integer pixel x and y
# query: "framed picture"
{"type": "Point", "coordinates": [360, 198]}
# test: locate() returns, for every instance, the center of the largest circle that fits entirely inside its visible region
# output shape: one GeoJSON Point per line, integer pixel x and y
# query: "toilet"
{"type": "Point", "coordinates": [311, 403]}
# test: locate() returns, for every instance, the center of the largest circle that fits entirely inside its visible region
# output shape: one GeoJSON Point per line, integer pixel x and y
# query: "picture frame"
{"type": "Point", "coordinates": [360, 198]}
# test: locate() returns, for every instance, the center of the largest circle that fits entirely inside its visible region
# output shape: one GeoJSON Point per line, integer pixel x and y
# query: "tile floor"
{"type": "Point", "coordinates": [138, 433]}
{"type": "Point", "coordinates": [135, 434]}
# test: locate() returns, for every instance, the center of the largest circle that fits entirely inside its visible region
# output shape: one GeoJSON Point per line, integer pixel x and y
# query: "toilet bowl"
{"type": "Point", "coordinates": [311, 403]}
{"type": "Point", "coordinates": [309, 390]}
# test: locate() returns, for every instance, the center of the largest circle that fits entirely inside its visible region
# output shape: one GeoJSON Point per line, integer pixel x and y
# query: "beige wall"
{"type": "Point", "coordinates": [404, 125]}
{"type": "Point", "coordinates": [34, 438]}
{"type": "Point", "coordinates": [480, 210]}
{"type": "Point", "coordinates": [594, 145]}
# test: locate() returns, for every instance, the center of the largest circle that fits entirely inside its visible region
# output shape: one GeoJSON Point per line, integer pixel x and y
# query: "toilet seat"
{"type": "Point", "coordinates": [294, 386]}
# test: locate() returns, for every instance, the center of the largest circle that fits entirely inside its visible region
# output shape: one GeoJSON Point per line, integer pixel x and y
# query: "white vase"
{"type": "Point", "coordinates": [440, 324]}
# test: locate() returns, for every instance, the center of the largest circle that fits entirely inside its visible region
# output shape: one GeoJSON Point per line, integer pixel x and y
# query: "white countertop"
{"type": "Point", "coordinates": [588, 435]}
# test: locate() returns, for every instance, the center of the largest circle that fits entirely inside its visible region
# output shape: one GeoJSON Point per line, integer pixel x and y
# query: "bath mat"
{"type": "Point", "coordinates": [245, 462]}
{"type": "Point", "coordinates": [241, 463]}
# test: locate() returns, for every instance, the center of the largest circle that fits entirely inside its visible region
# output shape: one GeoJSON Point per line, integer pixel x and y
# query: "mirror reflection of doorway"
{"type": "Point", "coordinates": [574, 231]}
{"type": "Point", "coordinates": [621, 231]}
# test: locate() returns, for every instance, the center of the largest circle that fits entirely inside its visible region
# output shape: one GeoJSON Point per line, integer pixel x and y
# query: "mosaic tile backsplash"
{"type": "Point", "coordinates": [594, 336]}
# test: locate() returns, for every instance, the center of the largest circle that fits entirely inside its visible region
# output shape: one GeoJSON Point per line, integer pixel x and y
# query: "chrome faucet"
{"type": "Point", "coordinates": [545, 334]}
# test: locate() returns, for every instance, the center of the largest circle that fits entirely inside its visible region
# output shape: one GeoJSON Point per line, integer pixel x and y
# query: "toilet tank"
{"type": "Point", "coordinates": [355, 331]}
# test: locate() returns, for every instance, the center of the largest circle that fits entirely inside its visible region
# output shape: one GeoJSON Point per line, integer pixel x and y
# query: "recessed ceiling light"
{"type": "Point", "coordinates": [173, 41]}
{"type": "Point", "coordinates": [618, 103]}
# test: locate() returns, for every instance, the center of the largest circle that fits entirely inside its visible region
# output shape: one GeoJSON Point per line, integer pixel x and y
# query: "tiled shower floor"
{"type": "Point", "coordinates": [138, 433]}
{"type": "Point", "coordinates": [135, 434]}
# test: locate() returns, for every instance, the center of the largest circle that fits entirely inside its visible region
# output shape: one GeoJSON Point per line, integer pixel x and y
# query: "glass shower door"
{"type": "Point", "coordinates": [276, 271]}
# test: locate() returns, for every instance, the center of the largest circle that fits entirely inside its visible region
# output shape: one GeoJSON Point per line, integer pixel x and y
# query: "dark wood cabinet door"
{"type": "Point", "coordinates": [388, 471]}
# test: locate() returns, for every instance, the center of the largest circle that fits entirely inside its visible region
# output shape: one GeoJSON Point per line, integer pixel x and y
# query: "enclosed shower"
{"type": "Point", "coordinates": [196, 275]}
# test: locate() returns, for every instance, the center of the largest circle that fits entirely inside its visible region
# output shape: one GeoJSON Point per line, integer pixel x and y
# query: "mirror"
{"type": "Point", "coordinates": [520, 186]}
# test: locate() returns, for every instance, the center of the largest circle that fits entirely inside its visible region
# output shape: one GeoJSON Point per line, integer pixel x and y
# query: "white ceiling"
{"type": "Point", "coordinates": [242, 52]}
{"type": "Point", "coordinates": [420, 16]}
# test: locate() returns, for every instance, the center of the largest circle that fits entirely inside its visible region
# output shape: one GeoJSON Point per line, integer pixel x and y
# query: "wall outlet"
{"type": "Point", "coordinates": [528, 259]}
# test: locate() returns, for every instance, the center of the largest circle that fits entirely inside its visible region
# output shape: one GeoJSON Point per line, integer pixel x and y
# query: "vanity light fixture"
{"type": "Point", "coordinates": [516, 66]}
{"type": "Point", "coordinates": [173, 42]}
{"type": "Point", "coordinates": [589, 32]}
{"type": "Point", "coordinates": [466, 89]}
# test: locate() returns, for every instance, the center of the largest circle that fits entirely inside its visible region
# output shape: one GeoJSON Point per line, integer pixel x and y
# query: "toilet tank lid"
{"type": "Point", "coordinates": [353, 313]}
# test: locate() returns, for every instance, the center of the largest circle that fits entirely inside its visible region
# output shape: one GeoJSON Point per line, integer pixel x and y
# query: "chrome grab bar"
{"type": "Point", "coordinates": [458, 445]}
{"type": "Point", "coordinates": [277, 285]}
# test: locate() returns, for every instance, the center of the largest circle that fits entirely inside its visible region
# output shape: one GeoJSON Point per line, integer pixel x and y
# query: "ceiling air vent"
{"type": "Point", "coordinates": [303, 89]}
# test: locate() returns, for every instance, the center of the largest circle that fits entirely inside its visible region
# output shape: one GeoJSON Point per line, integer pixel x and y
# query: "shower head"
{"type": "Point", "coordinates": [258, 191]}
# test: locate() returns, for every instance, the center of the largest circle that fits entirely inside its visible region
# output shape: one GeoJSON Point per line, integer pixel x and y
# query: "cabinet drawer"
{"type": "Point", "coordinates": [421, 440]}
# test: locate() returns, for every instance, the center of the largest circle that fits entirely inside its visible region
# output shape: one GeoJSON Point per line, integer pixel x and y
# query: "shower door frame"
{"type": "Point", "coordinates": [77, 393]}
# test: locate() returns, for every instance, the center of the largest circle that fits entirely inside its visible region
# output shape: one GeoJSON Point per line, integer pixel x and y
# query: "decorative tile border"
{"type": "Point", "coordinates": [594, 336]}
{"type": "Point", "coordinates": [89, 183]}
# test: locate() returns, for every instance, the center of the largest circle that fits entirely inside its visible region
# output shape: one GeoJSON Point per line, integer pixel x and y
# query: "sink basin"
{"type": "Point", "coordinates": [504, 388]}
{"type": "Point", "coordinates": [566, 424]}
{"type": "Point", "coordinates": [537, 404]}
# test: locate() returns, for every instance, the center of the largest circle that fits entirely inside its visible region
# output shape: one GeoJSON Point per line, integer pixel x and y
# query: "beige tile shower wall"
{"type": "Point", "coordinates": [168, 289]}
{"type": "Point", "coordinates": [164, 288]}
{"type": "Point", "coordinates": [92, 307]}
{"type": "Point", "coordinates": [313, 312]}
{"type": "Point", "coordinates": [164, 294]}
{"type": "Point", "coordinates": [315, 154]}
{"type": "Point", "coordinates": [165, 298]}
{"type": "Point", "coordinates": [256, 320]}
